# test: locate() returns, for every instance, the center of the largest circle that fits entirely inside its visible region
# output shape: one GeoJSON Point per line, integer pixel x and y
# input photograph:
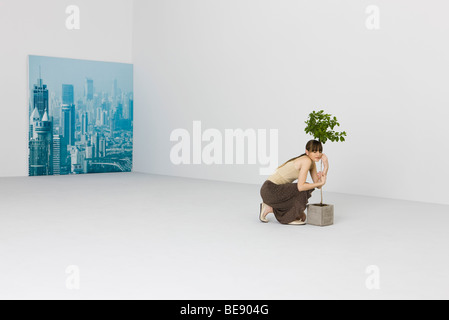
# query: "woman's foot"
{"type": "Point", "coordinates": [264, 211]}
{"type": "Point", "coordinates": [301, 221]}
{"type": "Point", "coordinates": [297, 223]}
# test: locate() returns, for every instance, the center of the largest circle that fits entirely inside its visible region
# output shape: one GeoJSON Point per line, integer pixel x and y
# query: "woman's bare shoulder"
{"type": "Point", "coordinates": [303, 162]}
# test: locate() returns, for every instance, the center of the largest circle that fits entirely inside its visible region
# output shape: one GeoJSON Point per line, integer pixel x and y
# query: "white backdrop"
{"type": "Point", "coordinates": [265, 64]}
{"type": "Point", "coordinates": [39, 28]}
{"type": "Point", "coordinates": [257, 65]}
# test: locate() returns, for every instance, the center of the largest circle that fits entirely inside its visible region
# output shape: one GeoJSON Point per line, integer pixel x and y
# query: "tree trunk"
{"type": "Point", "coordinates": [323, 186]}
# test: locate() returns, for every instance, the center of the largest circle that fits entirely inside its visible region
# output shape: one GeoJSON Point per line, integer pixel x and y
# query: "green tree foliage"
{"type": "Point", "coordinates": [321, 126]}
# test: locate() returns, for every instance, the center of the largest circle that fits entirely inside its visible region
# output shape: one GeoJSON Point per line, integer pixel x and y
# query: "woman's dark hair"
{"type": "Point", "coordinates": [311, 146]}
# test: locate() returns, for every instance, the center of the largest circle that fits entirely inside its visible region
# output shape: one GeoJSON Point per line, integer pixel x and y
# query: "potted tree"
{"type": "Point", "coordinates": [321, 126]}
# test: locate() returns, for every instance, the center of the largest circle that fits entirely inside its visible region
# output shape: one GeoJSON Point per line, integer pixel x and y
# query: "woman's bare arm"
{"type": "Point", "coordinates": [325, 164]}
{"type": "Point", "coordinates": [302, 184]}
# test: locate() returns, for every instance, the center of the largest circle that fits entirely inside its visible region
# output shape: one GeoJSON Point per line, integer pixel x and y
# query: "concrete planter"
{"type": "Point", "coordinates": [321, 216]}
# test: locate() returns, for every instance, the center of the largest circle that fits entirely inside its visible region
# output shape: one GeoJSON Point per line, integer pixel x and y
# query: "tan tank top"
{"type": "Point", "coordinates": [286, 174]}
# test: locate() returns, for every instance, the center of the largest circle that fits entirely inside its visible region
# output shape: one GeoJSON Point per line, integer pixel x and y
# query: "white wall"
{"type": "Point", "coordinates": [266, 64]}
{"type": "Point", "coordinates": [257, 64]}
{"type": "Point", "coordinates": [39, 28]}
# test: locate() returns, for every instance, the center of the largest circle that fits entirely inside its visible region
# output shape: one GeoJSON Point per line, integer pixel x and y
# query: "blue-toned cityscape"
{"type": "Point", "coordinates": [77, 126]}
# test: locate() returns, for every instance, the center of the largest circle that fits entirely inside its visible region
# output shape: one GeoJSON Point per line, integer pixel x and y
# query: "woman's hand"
{"type": "Point", "coordinates": [319, 174]}
{"type": "Point", "coordinates": [323, 178]}
{"type": "Point", "coordinates": [325, 159]}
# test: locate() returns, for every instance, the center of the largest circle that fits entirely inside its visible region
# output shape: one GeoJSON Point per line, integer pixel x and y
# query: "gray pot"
{"type": "Point", "coordinates": [320, 216]}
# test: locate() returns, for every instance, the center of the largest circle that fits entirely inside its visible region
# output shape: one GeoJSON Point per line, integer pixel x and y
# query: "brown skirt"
{"type": "Point", "coordinates": [287, 201]}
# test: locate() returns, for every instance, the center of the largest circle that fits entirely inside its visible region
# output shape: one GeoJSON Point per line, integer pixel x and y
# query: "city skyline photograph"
{"type": "Point", "coordinates": [80, 116]}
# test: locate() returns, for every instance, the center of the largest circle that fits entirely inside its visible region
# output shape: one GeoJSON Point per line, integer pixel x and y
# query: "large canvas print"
{"type": "Point", "coordinates": [81, 116]}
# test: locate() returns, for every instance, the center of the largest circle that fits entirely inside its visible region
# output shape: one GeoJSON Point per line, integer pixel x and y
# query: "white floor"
{"type": "Point", "coordinates": [139, 236]}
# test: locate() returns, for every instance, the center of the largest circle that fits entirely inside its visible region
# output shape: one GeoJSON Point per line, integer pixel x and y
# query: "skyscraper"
{"type": "Point", "coordinates": [78, 158]}
{"type": "Point", "coordinates": [102, 148]}
{"type": "Point", "coordinates": [67, 94]}
{"type": "Point", "coordinates": [68, 124]}
{"type": "Point", "coordinates": [33, 119]}
{"type": "Point", "coordinates": [84, 123]}
{"type": "Point", "coordinates": [40, 158]}
{"type": "Point", "coordinates": [40, 97]}
{"type": "Point", "coordinates": [56, 154]}
{"type": "Point", "coordinates": [89, 89]}
{"type": "Point", "coordinates": [96, 145]}
{"type": "Point", "coordinates": [41, 148]}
